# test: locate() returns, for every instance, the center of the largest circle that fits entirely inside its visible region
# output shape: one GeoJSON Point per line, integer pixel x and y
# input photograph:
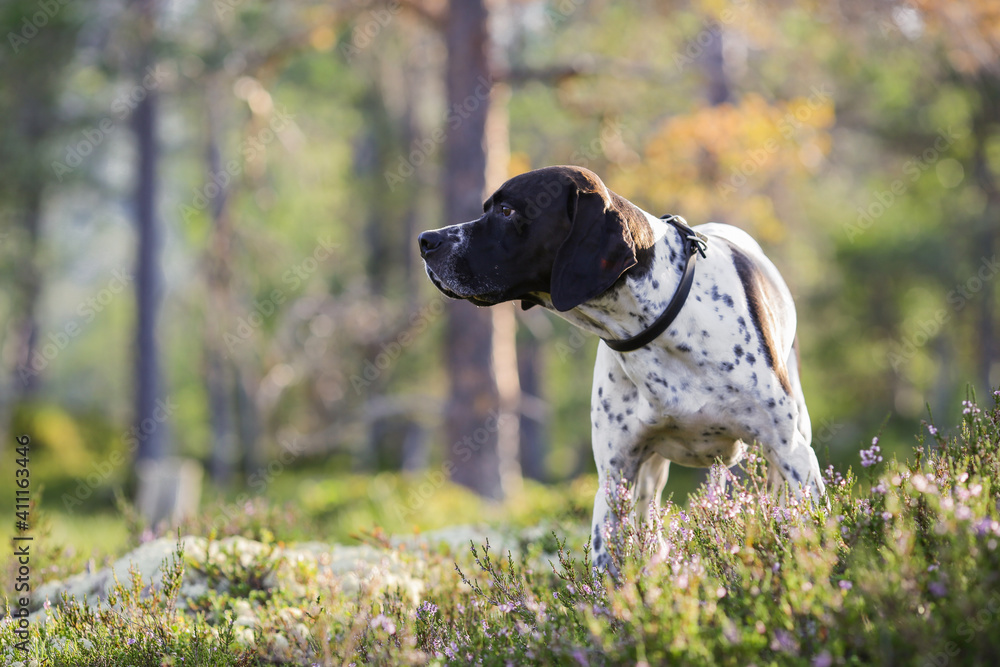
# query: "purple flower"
{"type": "Point", "coordinates": [937, 588]}
{"type": "Point", "coordinates": [783, 641]}
{"type": "Point", "coordinates": [871, 456]}
{"type": "Point", "coordinates": [845, 585]}
{"type": "Point", "coordinates": [822, 660]}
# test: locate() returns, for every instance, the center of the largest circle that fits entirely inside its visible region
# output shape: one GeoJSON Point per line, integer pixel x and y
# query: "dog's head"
{"type": "Point", "coordinates": [556, 231]}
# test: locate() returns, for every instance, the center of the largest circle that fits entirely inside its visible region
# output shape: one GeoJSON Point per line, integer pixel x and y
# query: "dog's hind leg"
{"type": "Point", "coordinates": [799, 465]}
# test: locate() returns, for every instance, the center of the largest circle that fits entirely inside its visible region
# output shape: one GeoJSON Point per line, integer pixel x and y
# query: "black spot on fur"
{"type": "Point", "coordinates": [658, 379]}
{"type": "Point", "coordinates": [683, 348]}
{"type": "Point", "coordinates": [719, 296]}
{"type": "Point", "coordinates": [738, 351]}
{"type": "Point", "coordinates": [727, 367]}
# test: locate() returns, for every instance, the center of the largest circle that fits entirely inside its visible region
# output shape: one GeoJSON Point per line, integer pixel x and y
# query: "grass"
{"type": "Point", "coordinates": [902, 567]}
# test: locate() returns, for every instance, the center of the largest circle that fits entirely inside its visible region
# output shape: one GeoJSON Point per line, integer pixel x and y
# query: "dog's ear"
{"type": "Point", "coordinates": [598, 250]}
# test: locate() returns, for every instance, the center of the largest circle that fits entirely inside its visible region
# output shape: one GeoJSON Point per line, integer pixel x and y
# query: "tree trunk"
{"type": "Point", "coordinates": [151, 438]}
{"type": "Point", "coordinates": [472, 414]}
{"type": "Point", "coordinates": [218, 379]}
{"type": "Point", "coordinates": [533, 445]}
{"type": "Point", "coordinates": [717, 82]}
{"type": "Point", "coordinates": [30, 287]}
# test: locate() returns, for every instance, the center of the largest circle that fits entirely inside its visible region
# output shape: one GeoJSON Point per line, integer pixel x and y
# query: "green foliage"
{"type": "Point", "coordinates": [138, 624]}
{"type": "Point", "coordinates": [897, 566]}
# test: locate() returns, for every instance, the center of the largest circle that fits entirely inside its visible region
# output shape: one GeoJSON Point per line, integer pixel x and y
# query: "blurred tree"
{"type": "Point", "coordinates": [472, 413]}
{"type": "Point", "coordinates": [34, 56]}
{"type": "Point", "coordinates": [148, 383]}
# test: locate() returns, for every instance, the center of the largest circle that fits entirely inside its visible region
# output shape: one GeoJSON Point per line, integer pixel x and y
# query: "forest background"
{"type": "Point", "coordinates": [208, 214]}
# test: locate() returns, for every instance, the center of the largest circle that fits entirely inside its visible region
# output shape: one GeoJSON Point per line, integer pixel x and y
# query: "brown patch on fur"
{"type": "Point", "coordinates": [763, 318]}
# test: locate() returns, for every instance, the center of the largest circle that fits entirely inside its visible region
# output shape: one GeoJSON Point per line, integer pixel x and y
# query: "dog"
{"type": "Point", "coordinates": [698, 354]}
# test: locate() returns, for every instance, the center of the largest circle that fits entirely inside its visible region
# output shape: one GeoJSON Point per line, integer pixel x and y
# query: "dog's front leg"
{"type": "Point", "coordinates": [619, 455]}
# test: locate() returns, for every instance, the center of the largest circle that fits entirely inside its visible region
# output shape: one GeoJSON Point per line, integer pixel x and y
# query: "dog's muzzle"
{"type": "Point", "coordinates": [434, 245]}
{"type": "Point", "coordinates": [430, 242]}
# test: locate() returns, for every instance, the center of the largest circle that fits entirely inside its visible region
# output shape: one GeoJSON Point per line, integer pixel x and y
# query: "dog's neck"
{"type": "Point", "coordinates": [642, 293]}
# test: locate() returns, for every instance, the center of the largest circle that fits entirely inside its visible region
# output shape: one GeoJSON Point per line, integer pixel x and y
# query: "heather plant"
{"type": "Point", "coordinates": [898, 565]}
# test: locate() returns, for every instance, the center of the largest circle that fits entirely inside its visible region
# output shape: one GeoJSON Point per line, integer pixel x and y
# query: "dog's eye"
{"type": "Point", "coordinates": [506, 211]}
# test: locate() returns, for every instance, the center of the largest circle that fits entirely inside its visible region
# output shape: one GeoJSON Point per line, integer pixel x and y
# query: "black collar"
{"type": "Point", "coordinates": [694, 244]}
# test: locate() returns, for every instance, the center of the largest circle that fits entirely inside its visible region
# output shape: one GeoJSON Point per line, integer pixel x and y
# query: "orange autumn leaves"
{"type": "Point", "coordinates": [731, 161]}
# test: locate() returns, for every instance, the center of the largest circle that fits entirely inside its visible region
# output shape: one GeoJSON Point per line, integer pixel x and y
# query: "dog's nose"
{"type": "Point", "coordinates": [429, 242]}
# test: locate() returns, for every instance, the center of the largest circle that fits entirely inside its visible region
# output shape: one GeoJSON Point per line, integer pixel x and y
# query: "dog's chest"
{"type": "Point", "coordinates": [689, 405]}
